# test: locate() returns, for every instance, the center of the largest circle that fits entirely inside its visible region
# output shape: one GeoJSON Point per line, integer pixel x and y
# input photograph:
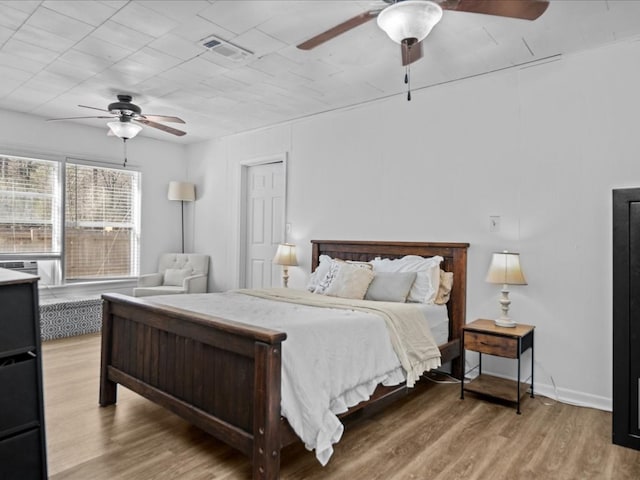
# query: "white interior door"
{"type": "Point", "coordinates": [264, 227]}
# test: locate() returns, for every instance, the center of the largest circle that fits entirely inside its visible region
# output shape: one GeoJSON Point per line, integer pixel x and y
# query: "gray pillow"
{"type": "Point", "coordinates": [390, 286]}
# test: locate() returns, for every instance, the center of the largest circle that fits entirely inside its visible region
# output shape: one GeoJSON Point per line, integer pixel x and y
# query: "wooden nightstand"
{"type": "Point", "coordinates": [483, 336]}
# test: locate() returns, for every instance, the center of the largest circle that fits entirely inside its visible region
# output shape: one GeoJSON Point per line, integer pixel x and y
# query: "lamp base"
{"type": "Point", "coordinates": [505, 322]}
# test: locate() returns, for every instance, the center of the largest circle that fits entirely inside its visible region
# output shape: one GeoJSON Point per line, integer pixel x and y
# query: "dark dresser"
{"type": "Point", "coordinates": [22, 438]}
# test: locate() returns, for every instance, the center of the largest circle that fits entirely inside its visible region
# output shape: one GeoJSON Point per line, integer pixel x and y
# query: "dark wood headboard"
{"type": "Point", "coordinates": [455, 260]}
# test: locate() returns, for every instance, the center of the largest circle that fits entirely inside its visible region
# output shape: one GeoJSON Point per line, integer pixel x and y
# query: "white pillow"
{"type": "Point", "coordinates": [323, 284]}
{"type": "Point", "coordinates": [350, 281]}
{"type": "Point", "coordinates": [390, 286]}
{"type": "Point", "coordinates": [425, 287]}
{"type": "Point", "coordinates": [319, 273]}
{"type": "Point", "coordinates": [175, 276]}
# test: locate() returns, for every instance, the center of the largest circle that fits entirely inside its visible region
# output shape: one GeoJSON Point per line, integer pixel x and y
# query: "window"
{"type": "Point", "coordinates": [97, 237]}
{"type": "Point", "coordinates": [100, 226]}
{"type": "Point", "coordinates": [28, 206]}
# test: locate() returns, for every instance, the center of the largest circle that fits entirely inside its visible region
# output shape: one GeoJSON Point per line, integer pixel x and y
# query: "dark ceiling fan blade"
{"type": "Point", "coordinates": [78, 118]}
{"type": "Point", "coordinates": [411, 53]}
{"type": "Point", "coordinates": [338, 30]}
{"type": "Point", "coordinates": [159, 126]}
{"type": "Point", "coordinates": [524, 9]}
{"type": "Point", "coordinates": [94, 108]}
{"type": "Point", "coordinates": [163, 118]}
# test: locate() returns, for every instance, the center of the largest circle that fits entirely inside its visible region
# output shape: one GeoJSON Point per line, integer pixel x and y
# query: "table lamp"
{"type": "Point", "coordinates": [286, 256]}
{"type": "Point", "coordinates": [505, 269]}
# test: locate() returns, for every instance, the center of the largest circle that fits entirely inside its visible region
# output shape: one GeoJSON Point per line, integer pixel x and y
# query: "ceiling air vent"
{"type": "Point", "coordinates": [226, 49]}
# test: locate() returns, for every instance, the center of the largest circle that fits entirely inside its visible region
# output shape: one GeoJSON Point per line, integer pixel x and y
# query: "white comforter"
{"type": "Point", "coordinates": [332, 359]}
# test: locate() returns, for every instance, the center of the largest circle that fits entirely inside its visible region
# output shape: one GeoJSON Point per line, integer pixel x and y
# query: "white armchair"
{"type": "Point", "coordinates": [177, 273]}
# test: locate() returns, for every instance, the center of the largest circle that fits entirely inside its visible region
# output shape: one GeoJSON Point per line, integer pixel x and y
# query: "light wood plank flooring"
{"type": "Point", "coordinates": [430, 435]}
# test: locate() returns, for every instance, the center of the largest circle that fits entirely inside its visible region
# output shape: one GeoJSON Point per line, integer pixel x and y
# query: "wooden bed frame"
{"type": "Point", "coordinates": [224, 376]}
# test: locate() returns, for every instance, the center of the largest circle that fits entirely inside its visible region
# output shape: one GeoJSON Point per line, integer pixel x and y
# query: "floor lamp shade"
{"type": "Point", "coordinates": [182, 192]}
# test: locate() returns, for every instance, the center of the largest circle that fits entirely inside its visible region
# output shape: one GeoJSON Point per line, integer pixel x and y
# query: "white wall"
{"type": "Point", "coordinates": [159, 162]}
{"type": "Point", "coordinates": [542, 147]}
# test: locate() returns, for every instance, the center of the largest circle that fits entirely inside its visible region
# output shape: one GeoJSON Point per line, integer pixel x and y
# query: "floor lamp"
{"type": "Point", "coordinates": [184, 192]}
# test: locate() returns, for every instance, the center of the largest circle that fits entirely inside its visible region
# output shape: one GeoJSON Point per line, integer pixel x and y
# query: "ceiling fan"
{"type": "Point", "coordinates": [408, 22]}
{"type": "Point", "coordinates": [129, 116]}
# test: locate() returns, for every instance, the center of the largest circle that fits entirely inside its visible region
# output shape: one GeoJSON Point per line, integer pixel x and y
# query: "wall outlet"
{"type": "Point", "coordinates": [494, 223]}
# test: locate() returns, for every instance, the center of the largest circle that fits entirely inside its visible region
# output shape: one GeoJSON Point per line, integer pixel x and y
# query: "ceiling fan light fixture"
{"type": "Point", "coordinates": [124, 130]}
{"type": "Point", "coordinates": [409, 19]}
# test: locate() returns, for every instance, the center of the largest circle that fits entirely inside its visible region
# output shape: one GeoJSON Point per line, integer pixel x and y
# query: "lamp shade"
{"type": "Point", "coordinates": [183, 191]}
{"type": "Point", "coordinates": [505, 269]}
{"type": "Point", "coordinates": [124, 130]}
{"type": "Point", "coordinates": [286, 255]}
{"type": "Point", "coordinates": [409, 19]}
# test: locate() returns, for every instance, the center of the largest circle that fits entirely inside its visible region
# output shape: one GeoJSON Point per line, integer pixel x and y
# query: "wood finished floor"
{"type": "Point", "coordinates": [430, 435]}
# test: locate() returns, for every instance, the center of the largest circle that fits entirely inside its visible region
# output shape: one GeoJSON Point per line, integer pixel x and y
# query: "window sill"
{"type": "Point", "coordinates": [85, 289]}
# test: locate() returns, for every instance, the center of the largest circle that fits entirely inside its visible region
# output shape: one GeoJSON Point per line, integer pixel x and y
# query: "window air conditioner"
{"type": "Point", "coordinates": [30, 267]}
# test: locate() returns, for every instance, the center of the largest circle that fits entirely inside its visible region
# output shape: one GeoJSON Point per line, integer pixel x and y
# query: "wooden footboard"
{"type": "Point", "coordinates": [222, 376]}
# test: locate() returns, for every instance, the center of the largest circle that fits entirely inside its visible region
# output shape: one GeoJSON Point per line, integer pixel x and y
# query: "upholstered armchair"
{"type": "Point", "coordinates": [177, 273]}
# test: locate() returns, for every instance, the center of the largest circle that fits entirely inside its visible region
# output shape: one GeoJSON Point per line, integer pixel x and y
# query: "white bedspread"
{"type": "Point", "coordinates": [332, 359]}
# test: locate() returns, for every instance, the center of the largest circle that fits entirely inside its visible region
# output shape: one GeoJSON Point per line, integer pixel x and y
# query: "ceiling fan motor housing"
{"type": "Point", "coordinates": [124, 107]}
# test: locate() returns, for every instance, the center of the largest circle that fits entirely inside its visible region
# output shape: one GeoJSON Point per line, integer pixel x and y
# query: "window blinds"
{"type": "Point", "coordinates": [101, 226]}
{"type": "Point", "coordinates": [100, 236]}
{"type": "Point", "coordinates": [29, 206]}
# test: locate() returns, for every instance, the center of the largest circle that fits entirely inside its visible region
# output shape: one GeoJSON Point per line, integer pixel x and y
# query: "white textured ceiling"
{"type": "Point", "coordinates": [55, 55]}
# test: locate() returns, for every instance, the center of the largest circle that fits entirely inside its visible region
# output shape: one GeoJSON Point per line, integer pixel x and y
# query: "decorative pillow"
{"type": "Point", "coordinates": [425, 287]}
{"type": "Point", "coordinates": [444, 290]}
{"type": "Point", "coordinates": [351, 281]}
{"type": "Point", "coordinates": [390, 286]}
{"type": "Point", "coordinates": [361, 264]}
{"type": "Point", "coordinates": [320, 272]}
{"type": "Point", "coordinates": [324, 275]}
{"type": "Point", "coordinates": [323, 284]}
{"type": "Point", "coordinates": [175, 276]}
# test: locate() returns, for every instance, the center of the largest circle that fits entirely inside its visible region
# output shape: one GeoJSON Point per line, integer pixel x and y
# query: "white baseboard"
{"type": "Point", "coordinates": [573, 397]}
{"type": "Point", "coordinates": [564, 395]}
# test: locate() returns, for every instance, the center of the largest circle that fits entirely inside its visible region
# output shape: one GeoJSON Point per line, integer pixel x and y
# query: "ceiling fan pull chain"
{"type": "Point", "coordinates": [407, 80]}
{"type": "Point", "coordinates": [124, 140]}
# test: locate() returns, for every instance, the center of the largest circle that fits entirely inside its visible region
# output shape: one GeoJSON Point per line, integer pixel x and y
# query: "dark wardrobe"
{"type": "Point", "coordinates": [626, 317]}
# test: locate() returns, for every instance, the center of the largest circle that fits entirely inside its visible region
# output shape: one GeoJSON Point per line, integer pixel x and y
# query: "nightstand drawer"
{"type": "Point", "coordinates": [491, 344]}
